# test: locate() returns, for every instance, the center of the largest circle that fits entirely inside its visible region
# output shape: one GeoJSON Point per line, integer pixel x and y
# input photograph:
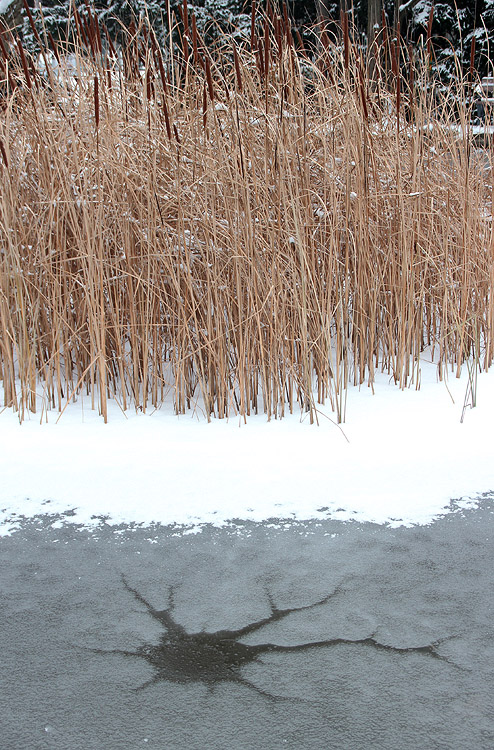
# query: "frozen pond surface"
{"type": "Point", "coordinates": [102, 644]}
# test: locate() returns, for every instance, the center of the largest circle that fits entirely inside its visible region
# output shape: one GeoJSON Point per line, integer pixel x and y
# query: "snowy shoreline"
{"type": "Point", "coordinates": [403, 457]}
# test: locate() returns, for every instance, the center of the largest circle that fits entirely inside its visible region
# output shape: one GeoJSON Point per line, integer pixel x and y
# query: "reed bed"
{"type": "Point", "coordinates": [250, 229]}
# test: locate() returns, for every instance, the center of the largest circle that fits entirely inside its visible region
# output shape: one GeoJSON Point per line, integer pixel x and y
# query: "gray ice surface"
{"type": "Point", "coordinates": [63, 602]}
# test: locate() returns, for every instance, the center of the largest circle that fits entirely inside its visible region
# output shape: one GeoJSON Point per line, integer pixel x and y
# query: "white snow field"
{"type": "Point", "coordinates": [400, 458]}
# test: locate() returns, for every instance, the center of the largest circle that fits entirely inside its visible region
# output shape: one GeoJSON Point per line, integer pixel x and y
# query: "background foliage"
{"type": "Point", "coordinates": [455, 23]}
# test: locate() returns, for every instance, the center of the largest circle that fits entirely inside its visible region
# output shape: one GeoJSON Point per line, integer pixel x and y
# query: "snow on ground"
{"type": "Point", "coordinates": [4, 4]}
{"type": "Point", "coordinates": [403, 457]}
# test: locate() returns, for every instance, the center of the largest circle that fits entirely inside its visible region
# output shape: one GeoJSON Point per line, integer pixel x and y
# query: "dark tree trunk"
{"type": "Point", "coordinates": [322, 11]}
{"type": "Point", "coordinates": [374, 19]}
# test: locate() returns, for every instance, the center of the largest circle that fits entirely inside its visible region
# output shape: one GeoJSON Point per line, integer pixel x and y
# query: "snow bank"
{"type": "Point", "coordinates": [4, 5]}
{"type": "Point", "coordinates": [402, 458]}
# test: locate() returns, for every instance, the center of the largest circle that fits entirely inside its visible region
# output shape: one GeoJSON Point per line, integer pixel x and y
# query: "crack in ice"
{"type": "Point", "coordinates": [214, 657]}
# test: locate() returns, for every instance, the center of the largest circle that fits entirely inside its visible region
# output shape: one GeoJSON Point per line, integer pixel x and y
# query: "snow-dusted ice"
{"type": "Point", "coordinates": [400, 458]}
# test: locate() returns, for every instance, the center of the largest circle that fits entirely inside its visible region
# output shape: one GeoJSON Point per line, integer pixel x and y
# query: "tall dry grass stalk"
{"type": "Point", "coordinates": [249, 230]}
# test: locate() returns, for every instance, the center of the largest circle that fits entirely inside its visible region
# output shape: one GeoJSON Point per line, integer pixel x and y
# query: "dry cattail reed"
{"type": "Point", "coordinates": [266, 250]}
{"type": "Point", "coordinates": [4, 154]}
